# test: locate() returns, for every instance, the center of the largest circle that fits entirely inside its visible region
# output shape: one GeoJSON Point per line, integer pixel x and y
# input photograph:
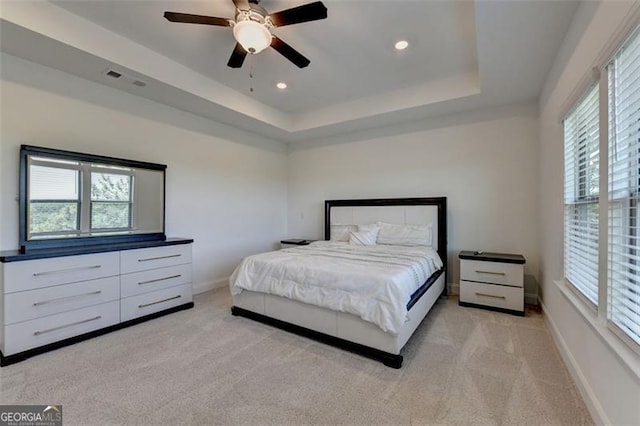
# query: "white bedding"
{"type": "Point", "coordinates": [372, 282]}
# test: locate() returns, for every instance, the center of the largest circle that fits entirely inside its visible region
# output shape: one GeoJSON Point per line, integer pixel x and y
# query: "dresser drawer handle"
{"type": "Point", "coordinates": [490, 272]}
{"type": "Point", "coordinates": [37, 333]}
{"type": "Point", "coordinates": [64, 299]}
{"type": "Point", "coordinates": [159, 257]}
{"type": "Point", "coordinates": [490, 295]}
{"type": "Point", "coordinates": [62, 271]}
{"type": "Point", "coordinates": [159, 279]}
{"type": "Point", "coordinates": [160, 301]}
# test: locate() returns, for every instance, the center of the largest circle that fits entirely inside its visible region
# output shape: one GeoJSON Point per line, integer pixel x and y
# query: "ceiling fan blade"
{"type": "Point", "coordinates": [237, 57]}
{"type": "Point", "coordinates": [289, 52]}
{"type": "Point", "coordinates": [296, 15]}
{"type": "Point", "coordinates": [196, 19]}
{"type": "Point", "coordinates": [242, 4]}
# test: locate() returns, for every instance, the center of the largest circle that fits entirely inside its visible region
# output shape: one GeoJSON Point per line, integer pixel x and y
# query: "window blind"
{"type": "Point", "coordinates": [581, 189]}
{"type": "Point", "coordinates": [624, 183]}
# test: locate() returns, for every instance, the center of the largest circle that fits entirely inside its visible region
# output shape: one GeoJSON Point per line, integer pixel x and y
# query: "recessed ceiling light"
{"type": "Point", "coordinates": [281, 85]}
{"type": "Point", "coordinates": [401, 44]}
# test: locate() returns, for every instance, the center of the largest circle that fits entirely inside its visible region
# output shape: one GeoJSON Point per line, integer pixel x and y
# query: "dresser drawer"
{"type": "Point", "coordinates": [154, 279]}
{"type": "Point", "coordinates": [42, 331]}
{"type": "Point", "coordinates": [32, 274]}
{"type": "Point", "coordinates": [492, 272]}
{"type": "Point", "coordinates": [498, 296]}
{"type": "Point", "coordinates": [155, 257]}
{"type": "Point", "coordinates": [148, 303]}
{"type": "Point", "coordinates": [26, 305]}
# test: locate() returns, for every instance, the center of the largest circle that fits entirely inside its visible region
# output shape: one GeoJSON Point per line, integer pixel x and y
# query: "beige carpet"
{"type": "Point", "coordinates": [204, 366]}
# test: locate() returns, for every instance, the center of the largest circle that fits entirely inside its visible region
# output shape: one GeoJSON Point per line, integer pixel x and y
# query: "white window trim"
{"type": "Point", "coordinates": [618, 346]}
{"type": "Point", "coordinates": [624, 347]}
{"type": "Point", "coordinates": [600, 62]}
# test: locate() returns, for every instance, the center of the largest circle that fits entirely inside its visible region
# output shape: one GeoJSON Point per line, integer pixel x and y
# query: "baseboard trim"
{"type": "Point", "coordinates": [454, 288]}
{"type": "Point", "coordinates": [590, 399]}
{"type": "Point", "coordinates": [204, 286]}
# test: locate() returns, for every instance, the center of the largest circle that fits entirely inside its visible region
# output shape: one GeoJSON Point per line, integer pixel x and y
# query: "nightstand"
{"type": "Point", "coordinates": [294, 242]}
{"type": "Point", "coordinates": [492, 281]}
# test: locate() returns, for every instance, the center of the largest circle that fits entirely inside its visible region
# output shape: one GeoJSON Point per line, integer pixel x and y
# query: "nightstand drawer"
{"type": "Point", "coordinates": [492, 272]}
{"type": "Point", "coordinates": [497, 296]}
{"type": "Point", "coordinates": [286, 246]}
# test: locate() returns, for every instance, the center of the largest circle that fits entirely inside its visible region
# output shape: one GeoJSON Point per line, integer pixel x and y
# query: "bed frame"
{"type": "Point", "coordinates": [348, 331]}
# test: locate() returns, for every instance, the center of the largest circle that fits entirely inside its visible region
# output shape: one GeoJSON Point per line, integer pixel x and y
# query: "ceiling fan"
{"type": "Point", "coordinates": [252, 28]}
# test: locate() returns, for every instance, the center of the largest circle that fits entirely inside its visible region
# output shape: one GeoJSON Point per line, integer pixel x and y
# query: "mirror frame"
{"type": "Point", "coordinates": [26, 244]}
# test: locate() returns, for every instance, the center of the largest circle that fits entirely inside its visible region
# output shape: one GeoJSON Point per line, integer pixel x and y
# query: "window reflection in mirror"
{"type": "Point", "coordinates": [67, 198]}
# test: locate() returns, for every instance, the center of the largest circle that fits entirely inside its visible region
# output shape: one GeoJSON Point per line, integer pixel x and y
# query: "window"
{"type": "Point", "coordinates": [623, 311]}
{"type": "Point", "coordinates": [74, 198]}
{"type": "Point", "coordinates": [581, 191]}
{"type": "Point", "coordinates": [110, 200]}
{"type": "Point", "coordinates": [55, 198]}
{"type": "Point", "coordinates": [585, 194]}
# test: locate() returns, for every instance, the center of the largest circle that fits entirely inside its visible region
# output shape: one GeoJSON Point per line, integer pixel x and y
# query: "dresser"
{"type": "Point", "coordinates": [52, 298]}
{"type": "Point", "coordinates": [492, 281]}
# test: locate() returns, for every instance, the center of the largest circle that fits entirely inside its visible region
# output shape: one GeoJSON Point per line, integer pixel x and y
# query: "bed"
{"type": "Point", "coordinates": [352, 325]}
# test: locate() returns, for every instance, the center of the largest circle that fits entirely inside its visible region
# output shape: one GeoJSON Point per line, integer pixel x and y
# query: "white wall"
{"type": "Point", "coordinates": [229, 197]}
{"type": "Point", "coordinates": [484, 162]}
{"type": "Point", "coordinates": [609, 384]}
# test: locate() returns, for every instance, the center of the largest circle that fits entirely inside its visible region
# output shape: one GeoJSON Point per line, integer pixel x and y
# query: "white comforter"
{"type": "Point", "coordinates": [372, 282]}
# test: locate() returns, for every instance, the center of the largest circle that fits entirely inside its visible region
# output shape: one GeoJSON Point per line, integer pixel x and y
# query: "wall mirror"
{"type": "Point", "coordinates": [70, 199]}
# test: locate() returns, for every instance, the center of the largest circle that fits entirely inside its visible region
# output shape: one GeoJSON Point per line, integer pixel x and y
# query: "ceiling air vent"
{"type": "Point", "coordinates": [124, 77]}
{"type": "Point", "coordinates": [114, 74]}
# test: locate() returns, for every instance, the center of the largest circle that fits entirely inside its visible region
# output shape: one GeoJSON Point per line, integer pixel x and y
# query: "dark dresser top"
{"type": "Point", "coordinates": [493, 257]}
{"type": "Point", "coordinates": [17, 256]}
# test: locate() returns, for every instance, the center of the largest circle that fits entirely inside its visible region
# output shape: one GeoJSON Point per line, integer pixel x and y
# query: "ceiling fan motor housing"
{"type": "Point", "coordinates": [256, 13]}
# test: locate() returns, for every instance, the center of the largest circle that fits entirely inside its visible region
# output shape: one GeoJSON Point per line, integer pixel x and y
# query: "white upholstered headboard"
{"type": "Point", "coordinates": [402, 211]}
{"type": "Point", "coordinates": [399, 215]}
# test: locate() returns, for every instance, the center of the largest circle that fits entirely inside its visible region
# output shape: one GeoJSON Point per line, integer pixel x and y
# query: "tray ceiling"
{"type": "Point", "coordinates": [462, 55]}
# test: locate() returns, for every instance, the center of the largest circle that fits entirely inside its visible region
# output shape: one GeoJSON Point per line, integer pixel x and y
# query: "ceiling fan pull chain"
{"type": "Point", "coordinates": [251, 75]}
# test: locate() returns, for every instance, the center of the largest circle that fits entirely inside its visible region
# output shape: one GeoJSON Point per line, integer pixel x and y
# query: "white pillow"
{"type": "Point", "coordinates": [372, 227]}
{"type": "Point", "coordinates": [405, 235]}
{"type": "Point", "coordinates": [341, 232]}
{"type": "Point", "coordinates": [364, 238]}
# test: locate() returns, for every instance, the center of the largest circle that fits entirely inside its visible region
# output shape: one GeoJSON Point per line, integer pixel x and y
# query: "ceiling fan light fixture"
{"type": "Point", "coordinates": [252, 36]}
